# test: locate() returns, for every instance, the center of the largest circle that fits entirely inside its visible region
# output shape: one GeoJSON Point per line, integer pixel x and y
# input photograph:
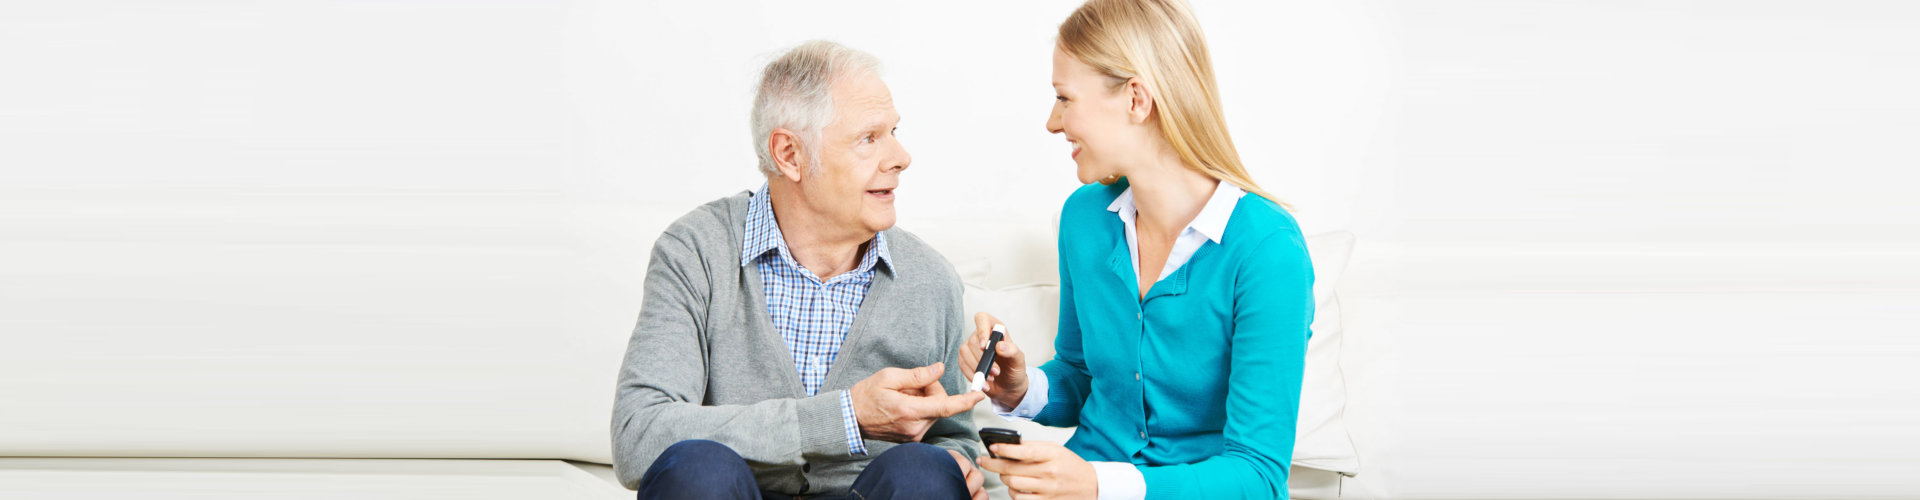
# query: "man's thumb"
{"type": "Point", "coordinates": [929, 374]}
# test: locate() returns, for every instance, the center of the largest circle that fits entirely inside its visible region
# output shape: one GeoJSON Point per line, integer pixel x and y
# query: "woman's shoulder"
{"type": "Point", "coordinates": [1258, 222]}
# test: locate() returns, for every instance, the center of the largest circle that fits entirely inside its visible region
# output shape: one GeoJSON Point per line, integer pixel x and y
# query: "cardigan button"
{"type": "Point", "coordinates": [1143, 434]}
{"type": "Point", "coordinates": [1136, 375]}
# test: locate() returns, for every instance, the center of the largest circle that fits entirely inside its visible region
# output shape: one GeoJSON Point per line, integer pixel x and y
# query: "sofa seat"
{"type": "Point", "coordinates": [287, 479]}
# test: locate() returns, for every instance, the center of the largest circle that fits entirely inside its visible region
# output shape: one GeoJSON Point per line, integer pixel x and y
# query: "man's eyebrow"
{"type": "Point", "coordinates": [880, 124]}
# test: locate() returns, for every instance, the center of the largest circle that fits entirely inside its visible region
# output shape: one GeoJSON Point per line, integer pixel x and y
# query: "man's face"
{"type": "Point", "coordinates": [860, 159]}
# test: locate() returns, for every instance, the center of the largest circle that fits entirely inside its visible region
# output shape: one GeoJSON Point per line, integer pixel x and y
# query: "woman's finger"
{"type": "Point", "coordinates": [1037, 470]}
{"type": "Point", "coordinates": [982, 329]}
{"type": "Point", "coordinates": [974, 346]}
{"type": "Point", "coordinates": [1008, 353]}
{"type": "Point", "coordinates": [1027, 484]}
{"type": "Point", "coordinates": [1024, 452]}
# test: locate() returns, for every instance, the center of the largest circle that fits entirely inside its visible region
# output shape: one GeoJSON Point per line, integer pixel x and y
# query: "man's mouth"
{"type": "Point", "coordinates": [882, 193]}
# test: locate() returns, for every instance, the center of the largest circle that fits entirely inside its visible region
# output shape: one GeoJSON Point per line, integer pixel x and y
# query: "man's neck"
{"type": "Point", "coordinates": [816, 244]}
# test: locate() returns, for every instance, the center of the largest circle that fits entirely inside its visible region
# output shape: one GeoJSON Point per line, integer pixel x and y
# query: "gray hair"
{"type": "Point", "coordinates": [795, 93]}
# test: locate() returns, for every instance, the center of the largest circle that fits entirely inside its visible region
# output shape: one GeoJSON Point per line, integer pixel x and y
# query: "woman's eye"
{"type": "Point", "coordinates": [1060, 98]}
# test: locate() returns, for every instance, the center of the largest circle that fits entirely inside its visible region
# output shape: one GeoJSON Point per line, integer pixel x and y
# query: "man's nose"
{"type": "Point", "coordinates": [901, 159]}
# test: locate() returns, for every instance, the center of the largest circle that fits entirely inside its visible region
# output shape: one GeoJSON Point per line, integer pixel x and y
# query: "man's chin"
{"type": "Point", "coordinates": [877, 223]}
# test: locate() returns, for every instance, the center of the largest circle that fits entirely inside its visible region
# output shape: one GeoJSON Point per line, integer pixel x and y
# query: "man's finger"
{"type": "Point", "coordinates": [976, 481]}
{"type": "Point", "coordinates": [929, 374]}
{"type": "Point", "coordinates": [966, 466]}
{"type": "Point", "coordinates": [972, 474]}
{"type": "Point", "coordinates": [899, 379]}
{"type": "Point", "coordinates": [920, 431]}
{"type": "Point", "coordinates": [893, 378]}
{"type": "Point", "coordinates": [942, 406]}
{"type": "Point", "coordinates": [960, 403]}
{"type": "Point", "coordinates": [934, 390]}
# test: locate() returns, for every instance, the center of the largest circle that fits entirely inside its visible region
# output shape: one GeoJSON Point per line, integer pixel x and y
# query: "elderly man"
{"type": "Point", "coordinates": [790, 342]}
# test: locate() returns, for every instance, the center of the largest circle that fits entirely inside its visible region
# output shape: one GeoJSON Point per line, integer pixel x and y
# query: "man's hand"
{"type": "Point", "coordinates": [1037, 470]}
{"type": "Point", "coordinates": [976, 482]}
{"type": "Point", "coordinates": [1007, 380]}
{"type": "Point", "coordinates": [899, 405]}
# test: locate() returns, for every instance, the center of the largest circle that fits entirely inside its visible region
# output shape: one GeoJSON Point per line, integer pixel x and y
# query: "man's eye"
{"type": "Point", "coordinates": [868, 138]}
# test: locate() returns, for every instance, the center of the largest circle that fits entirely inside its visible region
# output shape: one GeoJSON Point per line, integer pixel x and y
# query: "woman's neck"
{"type": "Point", "coordinates": [1167, 196]}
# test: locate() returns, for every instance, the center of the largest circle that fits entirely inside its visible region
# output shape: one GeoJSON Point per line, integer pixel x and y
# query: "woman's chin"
{"type": "Point", "coordinates": [1087, 176]}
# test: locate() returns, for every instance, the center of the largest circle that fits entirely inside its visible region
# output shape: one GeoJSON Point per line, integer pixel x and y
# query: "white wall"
{"type": "Point", "coordinates": [1607, 248]}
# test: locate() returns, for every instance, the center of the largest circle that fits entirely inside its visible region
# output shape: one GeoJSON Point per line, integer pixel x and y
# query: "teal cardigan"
{"type": "Point", "coordinates": [1199, 384]}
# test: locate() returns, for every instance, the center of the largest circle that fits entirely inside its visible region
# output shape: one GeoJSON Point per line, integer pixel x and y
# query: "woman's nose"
{"type": "Point", "coordinates": [1053, 120]}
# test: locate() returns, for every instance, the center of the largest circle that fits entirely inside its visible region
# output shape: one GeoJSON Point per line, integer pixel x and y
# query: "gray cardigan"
{"type": "Point", "coordinates": [705, 363]}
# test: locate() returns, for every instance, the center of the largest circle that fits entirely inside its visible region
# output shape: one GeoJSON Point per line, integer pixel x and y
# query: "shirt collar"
{"type": "Point", "coordinates": [1212, 221]}
{"type": "Point", "coordinates": [763, 235]}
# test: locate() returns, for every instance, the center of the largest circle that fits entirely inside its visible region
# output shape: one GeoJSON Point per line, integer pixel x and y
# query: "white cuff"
{"type": "Point", "coordinates": [1032, 403]}
{"type": "Point", "coordinates": [1119, 481]}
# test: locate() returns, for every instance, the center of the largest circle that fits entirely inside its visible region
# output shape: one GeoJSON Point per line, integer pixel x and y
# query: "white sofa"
{"type": "Point", "coordinates": [356, 359]}
{"type": "Point", "coordinates": [367, 347]}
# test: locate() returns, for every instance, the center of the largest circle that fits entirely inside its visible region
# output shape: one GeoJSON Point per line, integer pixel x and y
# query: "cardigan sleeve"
{"type": "Point", "coordinates": [1272, 308]}
{"type": "Point", "coordinates": [1068, 381]}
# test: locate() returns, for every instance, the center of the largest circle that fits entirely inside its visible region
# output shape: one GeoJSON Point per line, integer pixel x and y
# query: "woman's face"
{"type": "Point", "coordinates": [1094, 117]}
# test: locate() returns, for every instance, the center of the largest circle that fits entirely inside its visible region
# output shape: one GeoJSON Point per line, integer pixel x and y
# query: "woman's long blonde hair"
{"type": "Point", "coordinates": [1159, 42]}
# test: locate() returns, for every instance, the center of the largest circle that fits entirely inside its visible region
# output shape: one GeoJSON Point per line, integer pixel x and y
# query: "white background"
{"type": "Point", "coordinates": [1607, 248]}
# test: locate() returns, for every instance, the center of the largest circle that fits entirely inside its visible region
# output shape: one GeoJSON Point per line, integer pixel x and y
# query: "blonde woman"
{"type": "Point", "coordinates": [1185, 289]}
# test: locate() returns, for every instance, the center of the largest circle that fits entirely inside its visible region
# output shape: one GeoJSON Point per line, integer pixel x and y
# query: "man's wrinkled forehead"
{"type": "Point", "coordinates": [865, 100]}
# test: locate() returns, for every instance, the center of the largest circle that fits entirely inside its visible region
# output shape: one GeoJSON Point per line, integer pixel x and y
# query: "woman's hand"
{"type": "Point", "coordinates": [1037, 470]}
{"type": "Point", "coordinates": [1007, 380]}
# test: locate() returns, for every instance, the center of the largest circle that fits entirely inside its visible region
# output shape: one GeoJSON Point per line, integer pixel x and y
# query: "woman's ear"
{"type": "Point", "coordinates": [1140, 105]}
{"type": "Point", "coordinates": [784, 146]}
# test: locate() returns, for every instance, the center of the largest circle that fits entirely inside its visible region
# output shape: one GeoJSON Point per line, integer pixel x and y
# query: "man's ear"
{"type": "Point", "coordinates": [784, 146]}
{"type": "Point", "coordinates": [1140, 100]}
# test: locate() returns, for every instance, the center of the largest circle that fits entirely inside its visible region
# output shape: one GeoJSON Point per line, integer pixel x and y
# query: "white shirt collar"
{"type": "Point", "coordinates": [1212, 221]}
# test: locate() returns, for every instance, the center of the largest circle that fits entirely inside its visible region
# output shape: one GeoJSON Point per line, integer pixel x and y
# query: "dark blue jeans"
{"type": "Point", "coordinates": [701, 469]}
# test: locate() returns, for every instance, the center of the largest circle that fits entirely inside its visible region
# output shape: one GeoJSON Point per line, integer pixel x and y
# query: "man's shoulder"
{"type": "Point", "coordinates": [712, 227]}
{"type": "Point", "coordinates": [915, 261]}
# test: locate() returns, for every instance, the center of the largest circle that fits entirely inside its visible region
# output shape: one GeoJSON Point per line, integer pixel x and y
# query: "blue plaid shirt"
{"type": "Point", "coordinates": [811, 315]}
